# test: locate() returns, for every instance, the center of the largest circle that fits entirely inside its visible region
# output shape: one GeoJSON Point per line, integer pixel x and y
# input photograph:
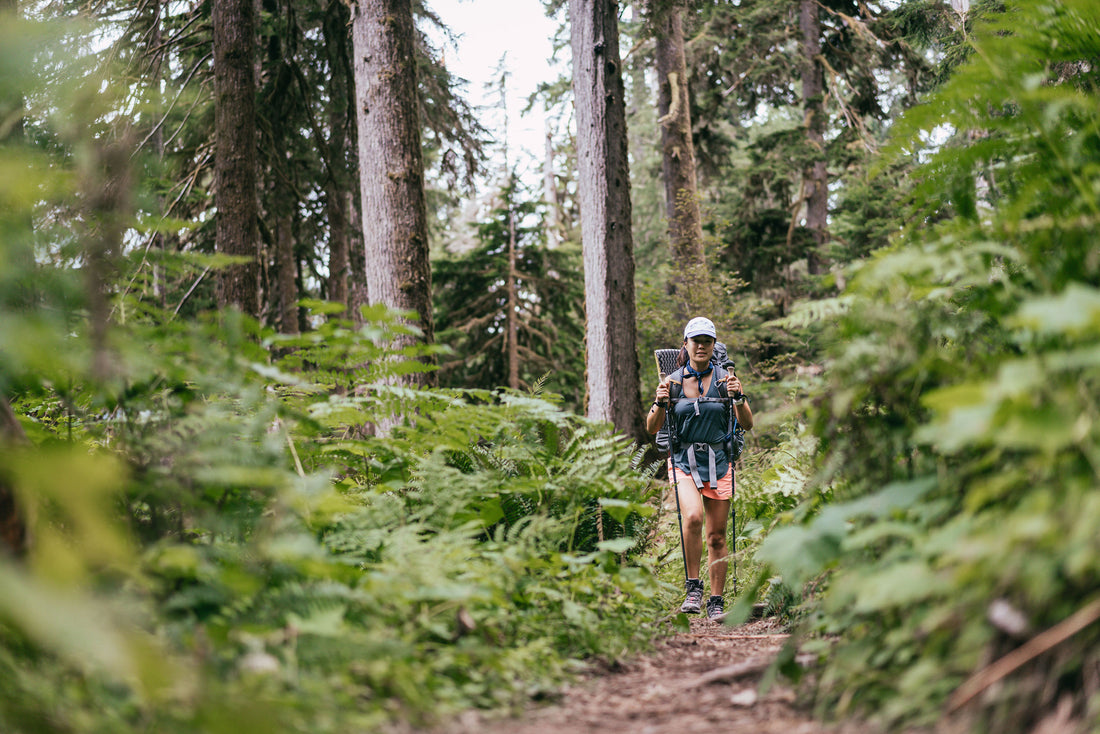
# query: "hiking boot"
{"type": "Point", "coordinates": [694, 601]}
{"type": "Point", "coordinates": [716, 607]}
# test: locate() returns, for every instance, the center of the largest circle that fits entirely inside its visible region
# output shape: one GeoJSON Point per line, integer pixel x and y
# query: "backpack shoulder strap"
{"type": "Point", "coordinates": [676, 384]}
{"type": "Point", "coordinates": [720, 373]}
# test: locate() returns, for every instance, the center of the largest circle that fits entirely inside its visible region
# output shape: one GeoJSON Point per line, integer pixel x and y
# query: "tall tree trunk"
{"type": "Point", "coordinates": [235, 174]}
{"type": "Point", "coordinates": [336, 210]}
{"type": "Point", "coordinates": [282, 201]}
{"type": "Point", "coordinates": [13, 528]}
{"type": "Point", "coordinates": [337, 202]}
{"type": "Point", "coordinates": [685, 227]}
{"type": "Point", "coordinates": [286, 267]}
{"type": "Point", "coordinates": [391, 167]}
{"type": "Point", "coordinates": [607, 244]}
{"type": "Point", "coordinates": [650, 225]}
{"type": "Point", "coordinates": [106, 186]}
{"type": "Point", "coordinates": [815, 176]}
{"type": "Point", "coordinates": [550, 191]}
{"type": "Point", "coordinates": [357, 260]}
{"type": "Point", "coordinates": [512, 342]}
{"type": "Point", "coordinates": [154, 59]}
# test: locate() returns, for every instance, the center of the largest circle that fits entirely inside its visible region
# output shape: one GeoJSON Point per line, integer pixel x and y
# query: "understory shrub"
{"type": "Point", "coordinates": [263, 548]}
{"type": "Point", "coordinates": [959, 427]}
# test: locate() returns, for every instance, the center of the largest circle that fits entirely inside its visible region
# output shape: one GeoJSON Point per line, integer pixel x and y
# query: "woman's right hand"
{"type": "Point", "coordinates": [662, 391]}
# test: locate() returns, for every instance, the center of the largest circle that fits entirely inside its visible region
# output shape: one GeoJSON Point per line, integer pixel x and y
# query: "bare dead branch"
{"type": "Point", "coordinates": [1031, 649]}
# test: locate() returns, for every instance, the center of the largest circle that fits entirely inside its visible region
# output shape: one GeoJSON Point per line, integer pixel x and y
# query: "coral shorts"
{"type": "Point", "coordinates": [724, 490]}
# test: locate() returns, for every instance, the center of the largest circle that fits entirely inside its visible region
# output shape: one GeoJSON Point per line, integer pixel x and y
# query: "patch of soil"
{"type": "Point", "coordinates": [703, 681]}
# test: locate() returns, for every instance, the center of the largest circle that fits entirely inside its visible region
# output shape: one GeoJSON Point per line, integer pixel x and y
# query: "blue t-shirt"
{"type": "Point", "coordinates": [709, 426]}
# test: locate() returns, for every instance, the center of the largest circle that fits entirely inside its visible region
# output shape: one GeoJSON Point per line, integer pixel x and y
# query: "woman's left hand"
{"type": "Point", "coordinates": [733, 385]}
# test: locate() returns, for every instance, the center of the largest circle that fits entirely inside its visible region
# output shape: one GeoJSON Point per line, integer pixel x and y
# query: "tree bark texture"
{"type": "Point", "coordinates": [106, 185]}
{"type": "Point", "coordinates": [282, 198]}
{"type": "Point", "coordinates": [815, 176]}
{"type": "Point", "coordinates": [685, 227]}
{"type": "Point", "coordinates": [391, 167]}
{"type": "Point", "coordinates": [336, 210]}
{"type": "Point", "coordinates": [337, 199]}
{"type": "Point", "coordinates": [235, 157]}
{"type": "Point", "coordinates": [612, 378]}
{"type": "Point", "coordinates": [550, 191]}
{"type": "Point", "coordinates": [286, 268]}
{"type": "Point", "coordinates": [511, 344]}
{"type": "Point", "coordinates": [154, 71]}
{"type": "Point", "coordinates": [13, 528]}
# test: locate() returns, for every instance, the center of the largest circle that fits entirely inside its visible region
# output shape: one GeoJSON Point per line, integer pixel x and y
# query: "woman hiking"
{"type": "Point", "coordinates": [699, 460]}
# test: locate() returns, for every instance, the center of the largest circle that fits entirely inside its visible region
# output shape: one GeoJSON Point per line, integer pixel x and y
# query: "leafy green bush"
{"type": "Point", "coordinates": [472, 558]}
{"type": "Point", "coordinates": [959, 425]}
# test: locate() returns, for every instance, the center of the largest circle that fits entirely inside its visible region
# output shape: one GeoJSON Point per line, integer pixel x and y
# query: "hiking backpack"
{"type": "Point", "coordinates": [735, 437]}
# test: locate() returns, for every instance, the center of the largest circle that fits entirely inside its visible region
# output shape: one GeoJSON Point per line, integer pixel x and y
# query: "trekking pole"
{"type": "Point", "coordinates": [666, 360]}
{"type": "Point", "coordinates": [733, 533]}
{"type": "Point", "coordinates": [672, 441]}
{"type": "Point", "coordinates": [731, 424]}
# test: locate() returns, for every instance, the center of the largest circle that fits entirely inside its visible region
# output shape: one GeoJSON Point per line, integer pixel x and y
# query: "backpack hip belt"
{"type": "Point", "coordinates": [709, 447]}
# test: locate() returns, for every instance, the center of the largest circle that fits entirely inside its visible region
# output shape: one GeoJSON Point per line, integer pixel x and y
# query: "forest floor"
{"type": "Point", "coordinates": [705, 680]}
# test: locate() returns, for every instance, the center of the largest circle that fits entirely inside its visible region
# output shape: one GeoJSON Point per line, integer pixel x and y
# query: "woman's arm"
{"type": "Point", "coordinates": [744, 415]}
{"type": "Point", "coordinates": [742, 410]}
{"type": "Point", "coordinates": [655, 418]}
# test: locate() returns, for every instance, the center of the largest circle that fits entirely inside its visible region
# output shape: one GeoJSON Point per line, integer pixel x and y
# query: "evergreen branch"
{"type": "Point", "coordinates": [530, 354]}
{"type": "Point", "coordinates": [199, 64]}
{"type": "Point", "coordinates": [180, 34]}
{"type": "Point", "coordinates": [186, 117]}
{"type": "Point", "coordinates": [189, 181]}
{"type": "Point", "coordinates": [854, 23]}
{"type": "Point", "coordinates": [855, 122]}
{"type": "Point", "coordinates": [319, 138]}
{"type": "Point", "coordinates": [477, 323]}
{"type": "Point", "coordinates": [737, 83]}
{"type": "Point", "coordinates": [190, 290]}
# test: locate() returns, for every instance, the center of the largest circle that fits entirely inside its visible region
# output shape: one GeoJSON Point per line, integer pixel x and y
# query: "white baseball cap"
{"type": "Point", "coordinates": [700, 326]}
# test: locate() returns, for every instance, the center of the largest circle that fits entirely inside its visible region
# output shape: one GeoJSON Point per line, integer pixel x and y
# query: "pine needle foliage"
{"type": "Point", "coordinates": [472, 304]}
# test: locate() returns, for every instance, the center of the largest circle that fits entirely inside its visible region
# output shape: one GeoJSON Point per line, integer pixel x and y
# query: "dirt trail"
{"type": "Point", "coordinates": [692, 682]}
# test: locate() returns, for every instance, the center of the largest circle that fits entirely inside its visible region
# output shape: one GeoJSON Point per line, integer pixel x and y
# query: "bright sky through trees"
{"type": "Point", "coordinates": [486, 30]}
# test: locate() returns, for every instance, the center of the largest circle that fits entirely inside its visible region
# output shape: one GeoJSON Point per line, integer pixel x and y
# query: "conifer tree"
{"type": "Point", "coordinates": [809, 87]}
{"type": "Point", "coordinates": [339, 185]}
{"type": "Point", "coordinates": [510, 307]}
{"type": "Point", "coordinates": [235, 164]}
{"type": "Point", "coordinates": [604, 186]}
{"type": "Point", "coordinates": [391, 168]}
{"type": "Point", "coordinates": [815, 180]}
{"type": "Point", "coordinates": [13, 532]}
{"type": "Point", "coordinates": [678, 156]}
